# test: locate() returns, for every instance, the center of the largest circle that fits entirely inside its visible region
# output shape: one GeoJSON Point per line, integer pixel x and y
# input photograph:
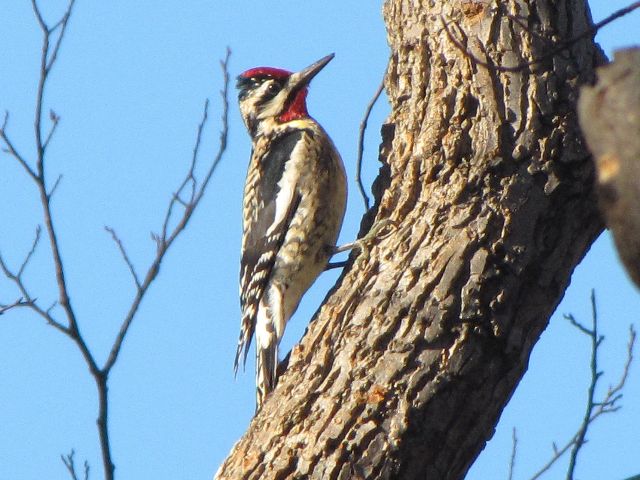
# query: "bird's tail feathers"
{"type": "Point", "coordinates": [244, 342]}
{"type": "Point", "coordinates": [266, 367]}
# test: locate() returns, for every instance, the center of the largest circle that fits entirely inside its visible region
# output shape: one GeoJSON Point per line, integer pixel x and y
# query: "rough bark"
{"type": "Point", "coordinates": [610, 119]}
{"type": "Point", "coordinates": [405, 369]}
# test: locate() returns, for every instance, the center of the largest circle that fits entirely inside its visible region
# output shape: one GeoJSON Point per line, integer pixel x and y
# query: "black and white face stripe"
{"type": "Point", "coordinates": [260, 97]}
{"type": "Point", "coordinates": [265, 87]}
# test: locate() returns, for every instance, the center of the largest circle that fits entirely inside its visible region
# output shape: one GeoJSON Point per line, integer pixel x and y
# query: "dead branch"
{"type": "Point", "coordinates": [52, 37]}
{"type": "Point", "coordinates": [125, 256]}
{"type": "Point", "coordinates": [18, 303]}
{"type": "Point", "coordinates": [166, 238]}
{"type": "Point", "coordinates": [593, 409]}
{"type": "Point", "coordinates": [363, 129]}
{"type": "Point", "coordinates": [514, 449]}
{"type": "Point", "coordinates": [69, 463]}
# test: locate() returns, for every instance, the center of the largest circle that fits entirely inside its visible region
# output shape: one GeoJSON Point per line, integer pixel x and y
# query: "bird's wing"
{"type": "Point", "coordinates": [276, 203]}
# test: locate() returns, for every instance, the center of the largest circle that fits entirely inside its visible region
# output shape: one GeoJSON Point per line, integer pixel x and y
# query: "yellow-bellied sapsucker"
{"type": "Point", "coordinates": [294, 201]}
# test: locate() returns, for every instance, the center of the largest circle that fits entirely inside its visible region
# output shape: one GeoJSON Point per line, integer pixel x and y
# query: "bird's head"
{"type": "Point", "coordinates": [275, 94]}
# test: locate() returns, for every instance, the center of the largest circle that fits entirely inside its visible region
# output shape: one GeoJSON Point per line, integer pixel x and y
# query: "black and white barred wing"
{"type": "Point", "coordinates": [269, 207]}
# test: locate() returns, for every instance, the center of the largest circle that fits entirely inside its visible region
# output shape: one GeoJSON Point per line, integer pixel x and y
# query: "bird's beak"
{"type": "Point", "coordinates": [302, 78]}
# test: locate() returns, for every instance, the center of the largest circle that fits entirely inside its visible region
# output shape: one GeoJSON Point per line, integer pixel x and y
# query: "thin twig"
{"type": "Point", "coordinates": [514, 447]}
{"type": "Point", "coordinates": [608, 404]}
{"type": "Point", "coordinates": [27, 258]}
{"type": "Point", "coordinates": [596, 341]}
{"type": "Point", "coordinates": [16, 278]}
{"type": "Point", "coordinates": [63, 22]}
{"type": "Point", "coordinates": [557, 454]}
{"type": "Point", "coordinates": [27, 300]}
{"type": "Point", "coordinates": [69, 462]}
{"type": "Point", "coordinates": [11, 150]}
{"type": "Point", "coordinates": [562, 46]}
{"type": "Point", "coordinates": [21, 302]}
{"type": "Point", "coordinates": [55, 120]}
{"type": "Point", "coordinates": [55, 187]}
{"type": "Point", "coordinates": [36, 11]}
{"type": "Point", "coordinates": [165, 241]}
{"type": "Point", "coordinates": [47, 61]}
{"type": "Point", "coordinates": [100, 375]}
{"type": "Point", "coordinates": [189, 178]}
{"type": "Point", "coordinates": [125, 257]}
{"type": "Point", "coordinates": [51, 307]}
{"type": "Point", "coordinates": [363, 128]}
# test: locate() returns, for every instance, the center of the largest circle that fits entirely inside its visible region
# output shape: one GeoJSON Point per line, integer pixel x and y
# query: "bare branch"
{"type": "Point", "coordinates": [21, 302]}
{"type": "Point", "coordinates": [11, 150]}
{"type": "Point", "coordinates": [51, 307]}
{"type": "Point", "coordinates": [63, 22]}
{"type": "Point", "coordinates": [224, 94]}
{"type": "Point", "coordinates": [55, 119]}
{"type": "Point", "coordinates": [514, 448]}
{"type": "Point", "coordinates": [36, 10]}
{"type": "Point", "coordinates": [69, 462]}
{"type": "Point", "coordinates": [55, 187]}
{"type": "Point", "coordinates": [16, 278]}
{"type": "Point", "coordinates": [578, 325]}
{"type": "Point", "coordinates": [189, 178]}
{"type": "Point", "coordinates": [363, 128]}
{"type": "Point", "coordinates": [47, 60]}
{"type": "Point", "coordinates": [34, 245]}
{"type": "Point", "coordinates": [594, 409]}
{"type": "Point", "coordinates": [125, 257]}
{"type": "Point", "coordinates": [608, 404]}
{"type": "Point", "coordinates": [557, 454]}
{"type": "Point", "coordinates": [166, 239]}
{"type": "Point", "coordinates": [182, 202]}
{"type": "Point", "coordinates": [27, 300]}
{"type": "Point", "coordinates": [595, 375]}
{"type": "Point", "coordinates": [562, 46]}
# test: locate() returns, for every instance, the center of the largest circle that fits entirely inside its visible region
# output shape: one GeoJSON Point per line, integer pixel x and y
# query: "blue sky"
{"type": "Point", "coordinates": [129, 88]}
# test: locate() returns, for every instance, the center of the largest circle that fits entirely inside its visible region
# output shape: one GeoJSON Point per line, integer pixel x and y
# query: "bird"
{"type": "Point", "coordinates": [293, 206]}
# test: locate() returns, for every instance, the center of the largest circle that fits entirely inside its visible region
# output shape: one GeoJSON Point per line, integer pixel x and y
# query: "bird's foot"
{"type": "Point", "coordinates": [364, 244]}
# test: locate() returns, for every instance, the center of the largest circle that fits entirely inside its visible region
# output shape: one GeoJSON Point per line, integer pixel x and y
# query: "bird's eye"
{"type": "Point", "coordinates": [273, 88]}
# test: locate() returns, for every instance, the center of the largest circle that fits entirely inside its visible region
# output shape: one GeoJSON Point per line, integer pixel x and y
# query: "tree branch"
{"type": "Point", "coordinates": [363, 128]}
{"type": "Point", "coordinates": [27, 300]}
{"type": "Point", "coordinates": [166, 238]}
{"type": "Point", "coordinates": [101, 375]}
{"type": "Point", "coordinates": [55, 120]}
{"type": "Point", "coordinates": [69, 462]}
{"type": "Point", "coordinates": [18, 303]}
{"type": "Point", "coordinates": [11, 150]}
{"type": "Point", "coordinates": [594, 409]}
{"type": "Point", "coordinates": [596, 341]}
{"type": "Point", "coordinates": [125, 257]}
{"type": "Point", "coordinates": [514, 449]}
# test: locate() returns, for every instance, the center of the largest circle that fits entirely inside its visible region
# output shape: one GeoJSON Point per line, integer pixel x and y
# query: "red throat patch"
{"type": "Point", "coordinates": [297, 108]}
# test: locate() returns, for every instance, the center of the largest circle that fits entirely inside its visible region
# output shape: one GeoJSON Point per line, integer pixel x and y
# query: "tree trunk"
{"type": "Point", "coordinates": [405, 369]}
